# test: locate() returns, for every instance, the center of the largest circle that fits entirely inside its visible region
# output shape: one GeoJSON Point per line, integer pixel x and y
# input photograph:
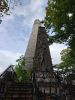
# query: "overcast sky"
{"type": "Point", "coordinates": [15, 31]}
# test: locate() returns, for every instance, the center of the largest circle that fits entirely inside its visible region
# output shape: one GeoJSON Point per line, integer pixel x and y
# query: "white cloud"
{"type": "Point", "coordinates": [36, 5]}
{"type": "Point", "coordinates": [33, 11]}
{"type": "Point", "coordinates": [7, 18]}
{"type": "Point", "coordinates": [2, 29]}
{"type": "Point", "coordinates": [55, 50]}
{"type": "Point", "coordinates": [7, 58]}
{"type": "Point", "coordinates": [25, 10]}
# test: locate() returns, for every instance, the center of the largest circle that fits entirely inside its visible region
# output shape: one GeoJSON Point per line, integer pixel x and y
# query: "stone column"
{"type": "Point", "coordinates": [30, 51]}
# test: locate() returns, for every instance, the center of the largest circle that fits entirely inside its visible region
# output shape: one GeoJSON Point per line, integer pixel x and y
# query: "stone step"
{"type": "Point", "coordinates": [16, 96]}
{"type": "Point", "coordinates": [19, 91]}
{"type": "Point", "coordinates": [19, 86]}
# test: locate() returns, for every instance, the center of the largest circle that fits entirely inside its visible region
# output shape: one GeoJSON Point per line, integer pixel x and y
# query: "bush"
{"type": "Point", "coordinates": [23, 75]}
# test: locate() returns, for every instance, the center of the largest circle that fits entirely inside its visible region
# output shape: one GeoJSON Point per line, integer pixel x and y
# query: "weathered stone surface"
{"type": "Point", "coordinates": [30, 52]}
{"type": "Point", "coordinates": [37, 53]}
{"type": "Point", "coordinates": [42, 58]}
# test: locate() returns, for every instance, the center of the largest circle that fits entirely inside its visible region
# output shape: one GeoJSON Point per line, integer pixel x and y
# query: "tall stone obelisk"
{"type": "Point", "coordinates": [30, 51]}
{"type": "Point", "coordinates": [37, 53]}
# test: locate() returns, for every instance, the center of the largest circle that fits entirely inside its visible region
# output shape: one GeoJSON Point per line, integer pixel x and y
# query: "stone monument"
{"type": "Point", "coordinates": [38, 57]}
{"type": "Point", "coordinates": [37, 53]}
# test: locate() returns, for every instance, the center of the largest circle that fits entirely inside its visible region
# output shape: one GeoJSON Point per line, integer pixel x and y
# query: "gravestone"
{"type": "Point", "coordinates": [37, 53]}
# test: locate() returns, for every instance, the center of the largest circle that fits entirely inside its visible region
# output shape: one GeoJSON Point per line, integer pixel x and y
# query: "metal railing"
{"type": "Point", "coordinates": [6, 78]}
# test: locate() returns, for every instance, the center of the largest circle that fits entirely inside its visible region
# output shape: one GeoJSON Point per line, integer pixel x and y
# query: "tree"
{"type": "Point", "coordinates": [23, 75]}
{"type": "Point", "coordinates": [21, 61]}
{"type": "Point", "coordinates": [68, 66]}
{"type": "Point", "coordinates": [60, 17]}
{"type": "Point", "coordinates": [67, 61]}
{"type": "Point", "coordinates": [5, 7]}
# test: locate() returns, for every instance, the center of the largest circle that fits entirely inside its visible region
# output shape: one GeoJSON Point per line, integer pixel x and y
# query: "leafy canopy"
{"type": "Point", "coordinates": [60, 18]}
{"type": "Point", "coordinates": [3, 7]}
{"type": "Point", "coordinates": [67, 61]}
{"type": "Point", "coordinates": [6, 5]}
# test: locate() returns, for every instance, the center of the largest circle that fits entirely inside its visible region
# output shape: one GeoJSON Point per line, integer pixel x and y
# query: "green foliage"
{"type": "Point", "coordinates": [21, 61]}
{"type": "Point", "coordinates": [67, 61]}
{"type": "Point", "coordinates": [6, 5]}
{"type": "Point", "coordinates": [23, 75]}
{"type": "Point", "coordinates": [60, 16]}
{"type": "Point", "coordinates": [67, 65]}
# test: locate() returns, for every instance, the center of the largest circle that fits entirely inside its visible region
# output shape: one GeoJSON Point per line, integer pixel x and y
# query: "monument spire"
{"type": "Point", "coordinates": [30, 51]}
{"type": "Point", "coordinates": [37, 52]}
